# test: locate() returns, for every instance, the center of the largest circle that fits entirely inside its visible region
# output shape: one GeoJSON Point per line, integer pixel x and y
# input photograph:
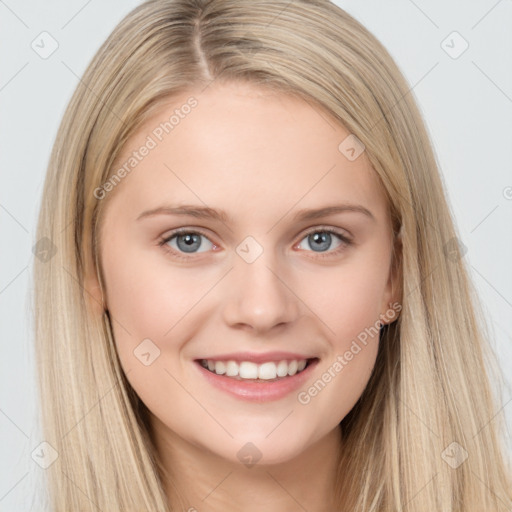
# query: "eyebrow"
{"type": "Point", "coordinates": [204, 212]}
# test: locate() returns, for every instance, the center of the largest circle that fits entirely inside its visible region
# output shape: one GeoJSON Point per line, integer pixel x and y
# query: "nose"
{"type": "Point", "coordinates": [259, 297]}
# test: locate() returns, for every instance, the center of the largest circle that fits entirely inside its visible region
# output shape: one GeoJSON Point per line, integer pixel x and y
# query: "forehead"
{"type": "Point", "coordinates": [240, 147]}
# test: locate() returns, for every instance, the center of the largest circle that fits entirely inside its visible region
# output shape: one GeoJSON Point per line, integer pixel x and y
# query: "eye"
{"type": "Point", "coordinates": [322, 238]}
{"type": "Point", "coordinates": [186, 241]}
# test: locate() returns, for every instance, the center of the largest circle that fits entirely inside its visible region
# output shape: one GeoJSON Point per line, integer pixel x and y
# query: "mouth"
{"type": "Point", "coordinates": [249, 371]}
{"type": "Point", "coordinates": [257, 378]}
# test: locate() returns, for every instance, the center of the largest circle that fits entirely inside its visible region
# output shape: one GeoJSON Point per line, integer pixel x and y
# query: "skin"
{"type": "Point", "coordinates": [261, 157]}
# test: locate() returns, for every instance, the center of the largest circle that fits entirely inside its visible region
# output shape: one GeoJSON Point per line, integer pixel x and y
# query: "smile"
{"type": "Point", "coordinates": [248, 370]}
{"type": "Point", "coordinates": [259, 380]}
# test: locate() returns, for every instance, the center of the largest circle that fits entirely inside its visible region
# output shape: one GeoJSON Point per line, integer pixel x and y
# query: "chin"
{"type": "Point", "coordinates": [266, 451]}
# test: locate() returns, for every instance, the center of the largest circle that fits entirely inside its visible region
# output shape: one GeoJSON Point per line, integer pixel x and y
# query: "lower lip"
{"type": "Point", "coordinates": [258, 391]}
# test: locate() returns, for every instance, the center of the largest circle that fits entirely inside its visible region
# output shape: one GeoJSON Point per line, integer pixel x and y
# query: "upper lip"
{"type": "Point", "coordinates": [258, 357]}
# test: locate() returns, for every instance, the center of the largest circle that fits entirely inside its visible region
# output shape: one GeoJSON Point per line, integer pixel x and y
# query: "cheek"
{"type": "Point", "coordinates": [149, 302]}
{"type": "Point", "coordinates": [353, 336]}
{"type": "Point", "coordinates": [147, 296]}
{"type": "Point", "coordinates": [347, 300]}
{"type": "Point", "coordinates": [349, 307]}
{"type": "Point", "coordinates": [143, 302]}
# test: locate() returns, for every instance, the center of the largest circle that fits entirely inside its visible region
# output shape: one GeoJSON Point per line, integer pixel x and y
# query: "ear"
{"type": "Point", "coordinates": [392, 302]}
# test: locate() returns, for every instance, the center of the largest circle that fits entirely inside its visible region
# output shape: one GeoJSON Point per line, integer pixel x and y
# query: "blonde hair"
{"type": "Point", "coordinates": [430, 386]}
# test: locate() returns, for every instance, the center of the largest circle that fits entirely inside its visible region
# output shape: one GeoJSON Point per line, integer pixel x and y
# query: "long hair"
{"type": "Point", "coordinates": [423, 436]}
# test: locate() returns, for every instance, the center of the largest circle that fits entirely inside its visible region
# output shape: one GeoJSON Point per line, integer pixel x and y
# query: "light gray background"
{"type": "Point", "coordinates": [466, 102]}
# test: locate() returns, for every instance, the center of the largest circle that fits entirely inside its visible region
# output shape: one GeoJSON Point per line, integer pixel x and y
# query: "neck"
{"type": "Point", "coordinates": [197, 480]}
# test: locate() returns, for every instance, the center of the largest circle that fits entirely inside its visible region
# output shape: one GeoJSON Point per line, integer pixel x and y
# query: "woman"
{"type": "Point", "coordinates": [195, 350]}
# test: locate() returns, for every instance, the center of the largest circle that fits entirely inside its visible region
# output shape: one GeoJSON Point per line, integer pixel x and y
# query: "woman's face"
{"type": "Point", "coordinates": [260, 282]}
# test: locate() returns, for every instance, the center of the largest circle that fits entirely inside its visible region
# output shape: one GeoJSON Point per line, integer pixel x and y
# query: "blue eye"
{"type": "Point", "coordinates": [187, 242]}
{"type": "Point", "coordinates": [322, 239]}
{"type": "Point", "coordinates": [184, 242]}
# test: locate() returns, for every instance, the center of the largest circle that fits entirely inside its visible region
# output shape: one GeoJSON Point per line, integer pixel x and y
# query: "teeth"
{"type": "Point", "coordinates": [250, 370]}
{"type": "Point", "coordinates": [267, 371]}
{"type": "Point", "coordinates": [220, 368]}
{"type": "Point", "coordinates": [282, 369]}
{"type": "Point", "coordinates": [231, 369]}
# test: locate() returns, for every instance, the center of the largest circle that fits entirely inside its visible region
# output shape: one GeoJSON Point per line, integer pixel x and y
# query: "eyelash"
{"type": "Point", "coordinates": [320, 229]}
